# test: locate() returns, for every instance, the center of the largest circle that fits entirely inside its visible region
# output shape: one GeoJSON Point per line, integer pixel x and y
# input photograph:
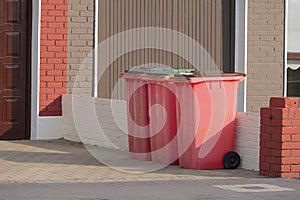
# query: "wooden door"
{"type": "Point", "coordinates": [15, 51]}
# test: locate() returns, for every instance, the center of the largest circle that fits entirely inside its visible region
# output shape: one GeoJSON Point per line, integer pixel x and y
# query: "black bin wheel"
{"type": "Point", "coordinates": [231, 160]}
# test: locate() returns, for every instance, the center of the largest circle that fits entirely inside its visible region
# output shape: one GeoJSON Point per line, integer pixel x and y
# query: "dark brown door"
{"type": "Point", "coordinates": [14, 68]}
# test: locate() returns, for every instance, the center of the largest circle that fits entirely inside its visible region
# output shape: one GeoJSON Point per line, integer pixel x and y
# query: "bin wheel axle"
{"type": "Point", "coordinates": [231, 160]}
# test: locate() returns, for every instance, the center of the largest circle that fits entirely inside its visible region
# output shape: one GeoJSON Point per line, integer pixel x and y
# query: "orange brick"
{"type": "Point", "coordinates": [55, 49]}
{"type": "Point", "coordinates": [295, 123]}
{"type": "Point", "coordinates": [275, 152]}
{"type": "Point", "coordinates": [47, 54]}
{"type": "Point", "coordinates": [295, 168]}
{"type": "Point", "coordinates": [61, 43]}
{"type": "Point", "coordinates": [290, 160]}
{"type": "Point", "coordinates": [273, 160]}
{"type": "Point", "coordinates": [46, 90]}
{"type": "Point", "coordinates": [265, 122]}
{"type": "Point", "coordinates": [265, 113]}
{"type": "Point", "coordinates": [280, 113]}
{"type": "Point", "coordinates": [290, 130]}
{"type": "Point", "coordinates": [53, 96]}
{"type": "Point", "coordinates": [272, 145]}
{"type": "Point", "coordinates": [48, 42]}
{"type": "Point", "coordinates": [289, 175]}
{"type": "Point", "coordinates": [55, 60]}
{"type": "Point", "coordinates": [281, 122]}
{"type": "Point", "coordinates": [263, 129]}
{"type": "Point", "coordinates": [55, 37]}
{"type": "Point", "coordinates": [281, 102]}
{"type": "Point", "coordinates": [291, 145]}
{"type": "Point", "coordinates": [60, 66]}
{"type": "Point", "coordinates": [265, 152]}
{"type": "Point", "coordinates": [46, 7]}
{"type": "Point", "coordinates": [56, 1]}
{"type": "Point", "coordinates": [296, 138]}
{"type": "Point", "coordinates": [297, 114]}
{"type": "Point", "coordinates": [55, 25]}
{"type": "Point", "coordinates": [45, 102]}
{"type": "Point", "coordinates": [54, 85]}
{"type": "Point", "coordinates": [295, 152]}
{"type": "Point", "coordinates": [265, 136]}
{"type": "Point", "coordinates": [56, 13]}
{"type": "Point", "coordinates": [54, 72]}
{"type": "Point", "coordinates": [286, 153]}
{"type": "Point", "coordinates": [46, 18]}
{"type": "Point", "coordinates": [281, 168]}
{"type": "Point", "coordinates": [61, 7]}
{"type": "Point", "coordinates": [61, 55]}
{"type": "Point", "coordinates": [264, 166]}
{"type": "Point", "coordinates": [47, 78]}
{"type": "Point", "coordinates": [60, 78]}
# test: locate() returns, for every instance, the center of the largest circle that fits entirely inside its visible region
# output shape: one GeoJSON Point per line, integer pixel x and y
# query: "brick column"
{"type": "Point", "coordinates": [53, 68]}
{"type": "Point", "coordinates": [280, 138]}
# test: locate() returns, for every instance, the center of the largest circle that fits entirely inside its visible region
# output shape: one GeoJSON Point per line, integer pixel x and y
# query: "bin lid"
{"type": "Point", "coordinates": [158, 70]}
{"type": "Point", "coordinates": [209, 77]}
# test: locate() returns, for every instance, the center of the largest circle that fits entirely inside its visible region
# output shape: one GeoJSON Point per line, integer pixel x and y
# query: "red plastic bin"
{"type": "Point", "coordinates": [138, 118]}
{"type": "Point", "coordinates": [206, 127]}
{"type": "Point", "coordinates": [163, 126]}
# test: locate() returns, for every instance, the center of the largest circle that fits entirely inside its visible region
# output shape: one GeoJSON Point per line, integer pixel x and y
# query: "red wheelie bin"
{"type": "Point", "coordinates": [207, 107]}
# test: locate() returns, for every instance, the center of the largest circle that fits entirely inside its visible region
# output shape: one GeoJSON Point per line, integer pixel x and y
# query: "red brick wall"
{"type": "Point", "coordinates": [280, 138]}
{"type": "Point", "coordinates": [53, 68]}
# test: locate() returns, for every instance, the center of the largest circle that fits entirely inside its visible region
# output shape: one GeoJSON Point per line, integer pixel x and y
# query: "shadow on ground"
{"type": "Point", "coordinates": [71, 153]}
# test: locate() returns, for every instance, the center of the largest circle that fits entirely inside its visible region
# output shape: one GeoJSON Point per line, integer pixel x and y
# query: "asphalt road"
{"type": "Point", "coordinates": [256, 188]}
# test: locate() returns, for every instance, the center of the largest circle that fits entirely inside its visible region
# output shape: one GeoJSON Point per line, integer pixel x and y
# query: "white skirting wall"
{"type": "Point", "coordinates": [105, 131]}
{"type": "Point", "coordinates": [247, 139]}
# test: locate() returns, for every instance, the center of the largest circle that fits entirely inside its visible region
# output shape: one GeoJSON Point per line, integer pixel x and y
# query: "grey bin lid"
{"type": "Point", "coordinates": [159, 71]}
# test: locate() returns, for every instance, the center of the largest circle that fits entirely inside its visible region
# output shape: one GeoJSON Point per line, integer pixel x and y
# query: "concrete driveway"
{"type": "Point", "coordinates": [65, 170]}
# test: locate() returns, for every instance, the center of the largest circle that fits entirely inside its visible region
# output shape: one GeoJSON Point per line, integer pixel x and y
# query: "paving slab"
{"type": "Point", "coordinates": [60, 161]}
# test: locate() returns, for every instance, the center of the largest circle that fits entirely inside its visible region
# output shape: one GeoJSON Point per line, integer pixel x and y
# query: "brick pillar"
{"type": "Point", "coordinates": [53, 68]}
{"type": "Point", "coordinates": [280, 138]}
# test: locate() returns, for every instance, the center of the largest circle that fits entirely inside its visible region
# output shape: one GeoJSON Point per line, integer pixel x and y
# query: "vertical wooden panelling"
{"type": "Point", "coordinates": [199, 19]}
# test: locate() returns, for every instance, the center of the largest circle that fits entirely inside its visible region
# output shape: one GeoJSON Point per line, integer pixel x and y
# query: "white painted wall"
{"type": "Point", "coordinates": [107, 128]}
{"type": "Point", "coordinates": [247, 139]}
{"type": "Point", "coordinates": [49, 128]}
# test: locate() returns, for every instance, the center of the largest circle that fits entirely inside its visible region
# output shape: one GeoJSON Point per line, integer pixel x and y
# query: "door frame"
{"type": "Point", "coordinates": [35, 67]}
{"type": "Point", "coordinates": [28, 70]}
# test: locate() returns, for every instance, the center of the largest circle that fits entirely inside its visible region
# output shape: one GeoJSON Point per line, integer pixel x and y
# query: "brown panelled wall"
{"type": "Point", "coordinates": [199, 19]}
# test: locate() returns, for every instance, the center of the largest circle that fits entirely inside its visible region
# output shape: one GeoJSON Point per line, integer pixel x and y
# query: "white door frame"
{"type": "Point", "coordinates": [35, 67]}
{"type": "Point", "coordinates": [241, 42]}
